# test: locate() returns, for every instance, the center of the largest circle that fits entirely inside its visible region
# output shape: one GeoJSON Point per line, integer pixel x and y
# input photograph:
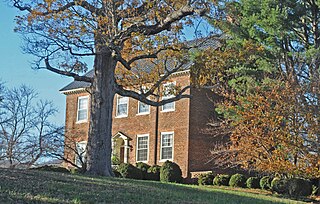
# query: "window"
{"type": "Point", "coordinates": [142, 148]}
{"type": "Point", "coordinates": [122, 106]}
{"type": "Point", "coordinates": [143, 108]}
{"type": "Point", "coordinates": [81, 153]}
{"type": "Point", "coordinates": [166, 146]}
{"type": "Point", "coordinates": [82, 115]}
{"type": "Point", "coordinates": [168, 93]}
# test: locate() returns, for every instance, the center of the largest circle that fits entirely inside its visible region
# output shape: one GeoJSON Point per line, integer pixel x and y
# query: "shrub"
{"type": "Point", "coordinates": [238, 180]}
{"type": "Point", "coordinates": [154, 173]}
{"type": "Point", "coordinates": [265, 183]}
{"type": "Point", "coordinates": [129, 171]}
{"type": "Point", "coordinates": [116, 173]}
{"type": "Point", "coordinates": [170, 172]}
{"type": "Point", "coordinates": [143, 168]}
{"type": "Point", "coordinates": [115, 160]}
{"type": "Point", "coordinates": [253, 182]}
{"type": "Point", "coordinates": [279, 185]}
{"type": "Point", "coordinates": [53, 168]}
{"type": "Point", "coordinates": [299, 187]}
{"type": "Point", "coordinates": [221, 180]}
{"type": "Point", "coordinates": [206, 179]}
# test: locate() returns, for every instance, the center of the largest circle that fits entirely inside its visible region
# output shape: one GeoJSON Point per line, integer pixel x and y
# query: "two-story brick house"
{"type": "Point", "coordinates": [148, 134]}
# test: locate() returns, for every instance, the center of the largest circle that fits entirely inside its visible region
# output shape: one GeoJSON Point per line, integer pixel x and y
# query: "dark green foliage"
{"type": "Point", "coordinates": [221, 180]}
{"type": "Point", "coordinates": [129, 171]}
{"type": "Point", "coordinates": [253, 182]}
{"type": "Point", "coordinates": [206, 179]}
{"type": "Point", "coordinates": [299, 187]}
{"type": "Point", "coordinates": [265, 183]}
{"type": "Point", "coordinates": [170, 172]}
{"type": "Point", "coordinates": [52, 168]}
{"type": "Point", "coordinates": [279, 185]}
{"type": "Point", "coordinates": [154, 173]}
{"type": "Point", "coordinates": [116, 173]}
{"type": "Point", "coordinates": [115, 160]}
{"type": "Point", "coordinates": [143, 168]}
{"type": "Point", "coordinates": [238, 180]}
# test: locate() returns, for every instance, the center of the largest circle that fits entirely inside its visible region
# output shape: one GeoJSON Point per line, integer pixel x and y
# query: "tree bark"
{"type": "Point", "coordinates": [100, 130]}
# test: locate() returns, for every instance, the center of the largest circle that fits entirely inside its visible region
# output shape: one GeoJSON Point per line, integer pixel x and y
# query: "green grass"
{"type": "Point", "coordinates": [31, 186]}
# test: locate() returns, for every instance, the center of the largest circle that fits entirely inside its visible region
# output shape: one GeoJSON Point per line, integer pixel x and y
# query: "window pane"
{"type": "Point", "coordinates": [81, 153]}
{"type": "Point", "coordinates": [142, 148]}
{"type": "Point", "coordinates": [166, 146]}
{"type": "Point", "coordinates": [143, 108]}
{"type": "Point", "coordinates": [168, 106]}
{"type": "Point", "coordinates": [82, 109]}
{"type": "Point", "coordinates": [122, 109]}
{"type": "Point", "coordinates": [122, 106]}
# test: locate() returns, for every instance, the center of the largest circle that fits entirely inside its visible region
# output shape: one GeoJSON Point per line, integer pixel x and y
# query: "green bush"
{"type": "Point", "coordinates": [253, 182]}
{"type": "Point", "coordinates": [116, 173]}
{"type": "Point", "coordinates": [221, 180]}
{"type": "Point", "coordinates": [206, 179]}
{"type": "Point", "coordinates": [143, 168]}
{"type": "Point", "coordinates": [265, 183]}
{"type": "Point", "coordinates": [299, 187]}
{"type": "Point", "coordinates": [154, 173]}
{"type": "Point", "coordinates": [115, 160]}
{"type": "Point", "coordinates": [170, 172]}
{"type": "Point", "coordinates": [52, 168]}
{"type": "Point", "coordinates": [279, 185]}
{"type": "Point", "coordinates": [238, 180]}
{"type": "Point", "coordinates": [129, 171]}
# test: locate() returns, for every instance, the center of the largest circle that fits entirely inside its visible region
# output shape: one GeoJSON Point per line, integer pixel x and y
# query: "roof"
{"type": "Point", "coordinates": [203, 43]}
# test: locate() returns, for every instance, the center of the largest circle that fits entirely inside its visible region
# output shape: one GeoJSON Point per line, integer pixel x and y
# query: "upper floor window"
{"type": "Point", "coordinates": [168, 92]}
{"type": "Point", "coordinates": [122, 106]}
{"type": "Point", "coordinates": [143, 108]}
{"type": "Point", "coordinates": [166, 146]}
{"type": "Point", "coordinates": [80, 153]}
{"type": "Point", "coordinates": [82, 113]}
{"type": "Point", "coordinates": [142, 148]}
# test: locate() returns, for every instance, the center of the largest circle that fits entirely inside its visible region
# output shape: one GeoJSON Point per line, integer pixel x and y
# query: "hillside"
{"type": "Point", "coordinates": [31, 186]}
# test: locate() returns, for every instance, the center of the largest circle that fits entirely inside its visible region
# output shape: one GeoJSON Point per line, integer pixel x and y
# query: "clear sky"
{"type": "Point", "coordinates": [15, 67]}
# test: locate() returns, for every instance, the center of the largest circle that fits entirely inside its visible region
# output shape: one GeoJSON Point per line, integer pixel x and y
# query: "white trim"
{"type": "Point", "coordinates": [142, 135]}
{"type": "Point", "coordinates": [122, 116]}
{"type": "Point", "coordinates": [144, 113]}
{"type": "Point", "coordinates": [84, 120]}
{"type": "Point", "coordinates": [85, 150]}
{"type": "Point", "coordinates": [167, 97]}
{"type": "Point", "coordinates": [164, 133]}
{"type": "Point", "coordinates": [73, 90]}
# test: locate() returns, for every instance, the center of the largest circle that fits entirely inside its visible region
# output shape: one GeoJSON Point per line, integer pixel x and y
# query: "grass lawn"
{"type": "Point", "coordinates": [31, 186]}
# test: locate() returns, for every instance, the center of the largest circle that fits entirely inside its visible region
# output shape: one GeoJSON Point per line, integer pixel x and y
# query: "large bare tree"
{"type": "Point", "coordinates": [130, 41]}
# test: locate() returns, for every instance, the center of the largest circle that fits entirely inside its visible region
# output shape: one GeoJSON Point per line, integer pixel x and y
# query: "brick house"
{"type": "Point", "coordinates": [148, 134]}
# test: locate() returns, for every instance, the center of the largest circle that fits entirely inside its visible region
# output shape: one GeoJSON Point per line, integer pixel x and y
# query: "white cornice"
{"type": "Point", "coordinates": [73, 91]}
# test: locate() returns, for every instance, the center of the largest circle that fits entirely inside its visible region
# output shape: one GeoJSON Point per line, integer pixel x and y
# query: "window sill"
{"type": "Point", "coordinates": [165, 111]}
{"type": "Point", "coordinates": [146, 161]}
{"type": "Point", "coordinates": [121, 116]}
{"type": "Point", "coordinates": [81, 121]}
{"type": "Point", "coordinates": [147, 113]}
{"type": "Point", "coordinates": [164, 160]}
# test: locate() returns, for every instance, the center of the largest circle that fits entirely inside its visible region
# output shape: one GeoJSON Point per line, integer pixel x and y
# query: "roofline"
{"type": "Point", "coordinates": [78, 90]}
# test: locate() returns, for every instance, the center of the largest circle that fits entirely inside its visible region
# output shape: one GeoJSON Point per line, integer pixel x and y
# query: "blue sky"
{"type": "Point", "coordinates": [15, 67]}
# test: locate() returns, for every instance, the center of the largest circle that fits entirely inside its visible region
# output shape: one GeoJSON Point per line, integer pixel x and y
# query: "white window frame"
{"type": "Point", "coordinates": [125, 115]}
{"type": "Point", "coordinates": [76, 156]}
{"type": "Point", "coordinates": [137, 145]}
{"type": "Point", "coordinates": [168, 97]}
{"type": "Point", "coordinates": [87, 108]}
{"type": "Point", "coordinates": [143, 113]}
{"type": "Point", "coordinates": [172, 146]}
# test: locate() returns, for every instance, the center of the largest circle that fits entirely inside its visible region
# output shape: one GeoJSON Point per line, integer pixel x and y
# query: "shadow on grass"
{"type": "Point", "coordinates": [26, 186]}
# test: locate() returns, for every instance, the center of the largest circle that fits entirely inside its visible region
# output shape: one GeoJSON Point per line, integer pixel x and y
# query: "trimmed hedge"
{"type": "Point", "coordinates": [221, 180]}
{"type": "Point", "coordinates": [170, 172]}
{"type": "Point", "coordinates": [299, 187]}
{"type": "Point", "coordinates": [143, 168]}
{"type": "Point", "coordinates": [52, 168]}
{"type": "Point", "coordinates": [253, 182]}
{"type": "Point", "coordinates": [279, 185]}
{"type": "Point", "coordinates": [265, 183]}
{"type": "Point", "coordinates": [206, 179]}
{"type": "Point", "coordinates": [153, 173]}
{"type": "Point", "coordinates": [238, 180]}
{"type": "Point", "coordinates": [129, 171]}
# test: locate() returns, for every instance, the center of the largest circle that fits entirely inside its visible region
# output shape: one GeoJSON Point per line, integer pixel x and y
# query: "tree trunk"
{"type": "Point", "coordinates": [102, 94]}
